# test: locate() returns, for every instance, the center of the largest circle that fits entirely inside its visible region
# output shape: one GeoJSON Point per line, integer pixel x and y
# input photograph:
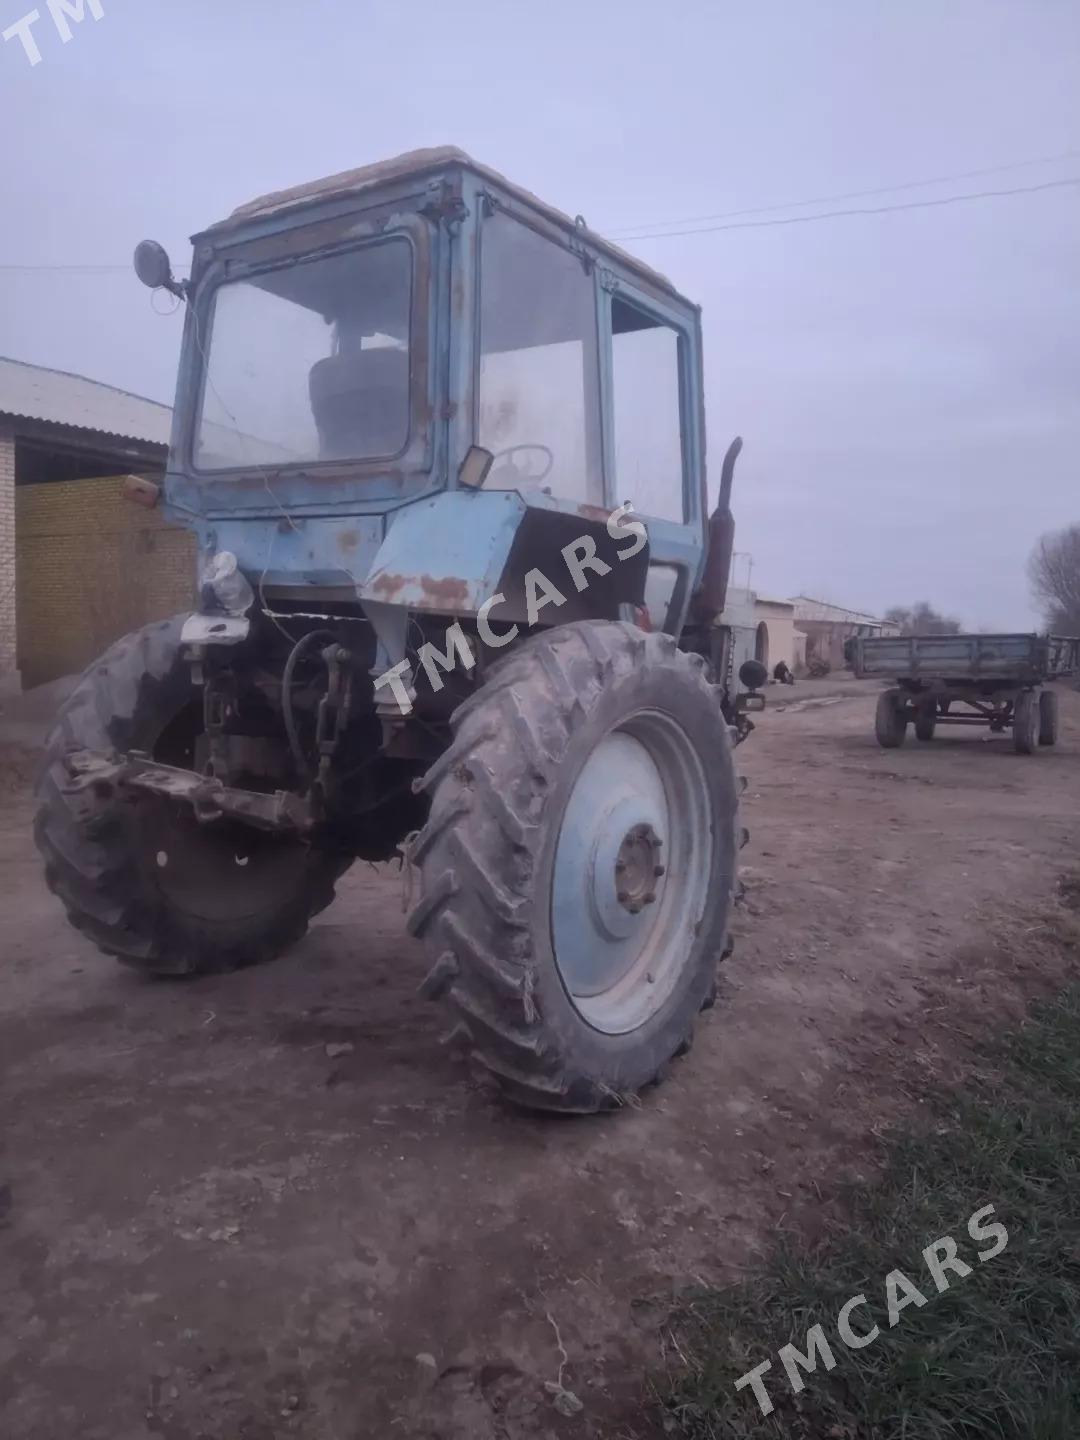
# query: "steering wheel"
{"type": "Point", "coordinates": [517, 475]}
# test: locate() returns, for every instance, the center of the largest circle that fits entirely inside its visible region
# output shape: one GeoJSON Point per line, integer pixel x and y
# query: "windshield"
{"type": "Point", "coordinates": [309, 362]}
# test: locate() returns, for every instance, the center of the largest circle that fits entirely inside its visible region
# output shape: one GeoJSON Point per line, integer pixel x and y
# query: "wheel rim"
{"type": "Point", "coordinates": [633, 865]}
{"type": "Point", "coordinates": [223, 872]}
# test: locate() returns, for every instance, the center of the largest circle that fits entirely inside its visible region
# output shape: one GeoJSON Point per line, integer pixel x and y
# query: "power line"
{"type": "Point", "coordinates": [852, 194]}
{"type": "Point", "coordinates": [74, 269]}
{"type": "Point", "coordinates": [64, 269]}
{"type": "Point", "coordinates": [644, 233]}
{"type": "Point", "coordinates": [865, 210]}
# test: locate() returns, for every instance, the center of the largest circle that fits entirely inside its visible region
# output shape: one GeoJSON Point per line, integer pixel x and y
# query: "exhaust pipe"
{"type": "Point", "coordinates": [711, 595]}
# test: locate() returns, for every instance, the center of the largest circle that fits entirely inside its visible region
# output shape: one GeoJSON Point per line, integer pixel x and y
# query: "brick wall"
{"type": "Point", "coordinates": [7, 557]}
{"type": "Point", "coordinates": [91, 567]}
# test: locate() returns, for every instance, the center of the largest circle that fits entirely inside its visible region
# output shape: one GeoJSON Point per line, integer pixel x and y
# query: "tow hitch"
{"type": "Point", "coordinates": [210, 798]}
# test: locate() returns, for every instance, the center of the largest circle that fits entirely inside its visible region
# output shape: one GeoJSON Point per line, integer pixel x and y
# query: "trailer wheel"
{"type": "Point", "coordinates": [143, 879]}
{"type": "Point", "coordinates": [926, 720]}
{"type": "Point", "coordinates": [1048, 717]}
{"type": "Point", "coordinates": [578, 864]}
{"type": "Point", "coordinates": [1025, 724]}
{"type": "Point", "coordinates": [890, 719]}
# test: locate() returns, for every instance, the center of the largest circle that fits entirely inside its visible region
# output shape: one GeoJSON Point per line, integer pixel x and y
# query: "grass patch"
{"type": "Point", "coordinates": [994, 1357]}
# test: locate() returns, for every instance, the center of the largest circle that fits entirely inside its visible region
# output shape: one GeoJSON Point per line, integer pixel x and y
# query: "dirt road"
{"type": "Point", "coordinates": [215, 1223]}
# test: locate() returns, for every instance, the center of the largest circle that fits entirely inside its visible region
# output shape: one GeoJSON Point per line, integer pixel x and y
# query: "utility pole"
{"type": "Point", "coordinates": [741, 555]}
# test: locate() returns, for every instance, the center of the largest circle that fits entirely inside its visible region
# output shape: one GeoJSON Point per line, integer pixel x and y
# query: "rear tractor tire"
{"type": "Point", "coordinates": [1048, 717]}
{"type": "Point", "coordinates": [142, 877]}
{"type": "Point", "coordinates": [578, 866]}
{"type": "Point", "coordinates": [890, 719]}
{"type": "Point", "coordinates": [1025, 724]}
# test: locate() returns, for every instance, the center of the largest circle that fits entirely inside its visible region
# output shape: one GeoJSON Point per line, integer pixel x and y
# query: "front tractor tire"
{"type": "Point", "coordinates": [142, 877]}
{"type": "Point", "coordinates": [578, 864]}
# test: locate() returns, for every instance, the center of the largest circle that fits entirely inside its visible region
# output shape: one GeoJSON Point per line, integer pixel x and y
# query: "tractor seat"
{"type": "Point", "coordinates": [360, 402]}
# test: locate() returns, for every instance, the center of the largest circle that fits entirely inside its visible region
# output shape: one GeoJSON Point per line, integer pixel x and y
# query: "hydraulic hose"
{"type": "Point", "coordinates": [295, 655]}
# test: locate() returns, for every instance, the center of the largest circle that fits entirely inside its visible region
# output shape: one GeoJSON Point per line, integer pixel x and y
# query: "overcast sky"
{"type": "Point", "coordinates": [906, 383]}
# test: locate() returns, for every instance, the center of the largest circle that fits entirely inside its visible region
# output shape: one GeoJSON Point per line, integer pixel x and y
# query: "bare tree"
{"type": "Point", "coordinates": [1054, 573]}
{"type": "Point", "coordinates": [922, 619]}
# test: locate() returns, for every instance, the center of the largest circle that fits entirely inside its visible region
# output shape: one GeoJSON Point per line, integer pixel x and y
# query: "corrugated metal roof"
{"type": "Point", "coordinates": [773, 600]}
{"type": "Point", "coordinates": [33, 392]}
{"type": "Point", "coordinates": [807, 608]}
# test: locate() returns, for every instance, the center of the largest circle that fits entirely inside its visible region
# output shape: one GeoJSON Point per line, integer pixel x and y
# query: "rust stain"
{"type": "Point", "coordinates": [451, 590]}
{"type": "Point", "coordinates": [388, 586]}
{"type": "Point", "coordinates": [448, 592]}
{"type": "Point", "coordinates": [595, 512]}
{"type": "Point", "coordinates": [348, 540]}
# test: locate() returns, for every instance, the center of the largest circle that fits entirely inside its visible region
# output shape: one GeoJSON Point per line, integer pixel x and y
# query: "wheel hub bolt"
{"type": "Point", "coordinates": [637, 867]}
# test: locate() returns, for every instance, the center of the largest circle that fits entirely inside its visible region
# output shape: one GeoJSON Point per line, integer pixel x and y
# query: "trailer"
{"type": "Point", "coordinates": [996, 681]}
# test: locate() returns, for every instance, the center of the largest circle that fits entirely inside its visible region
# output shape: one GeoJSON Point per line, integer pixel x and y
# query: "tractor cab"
{"type": "Point", "coordinates": [421, 329]}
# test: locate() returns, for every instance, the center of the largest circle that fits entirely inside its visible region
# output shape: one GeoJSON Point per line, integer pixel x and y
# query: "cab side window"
{"type": "Point", "coordinates": [539, 386]}
{"type": "Point", "coordinates": [649, 459]}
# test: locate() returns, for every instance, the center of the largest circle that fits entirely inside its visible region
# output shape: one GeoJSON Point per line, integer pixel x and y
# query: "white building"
{"type": "Point", "coordinates": [825, 627]}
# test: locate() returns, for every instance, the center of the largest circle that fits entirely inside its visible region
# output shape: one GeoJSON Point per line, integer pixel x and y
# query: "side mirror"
{"type": "Point", "coordinates": [154, 269]}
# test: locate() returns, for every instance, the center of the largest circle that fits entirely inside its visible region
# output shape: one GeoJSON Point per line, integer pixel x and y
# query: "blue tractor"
{"type": "Point", "coordinates": [443, 451]}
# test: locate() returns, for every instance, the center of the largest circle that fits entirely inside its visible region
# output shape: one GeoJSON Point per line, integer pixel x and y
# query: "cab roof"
{"type": "Point", "coordinates": [415, 163]}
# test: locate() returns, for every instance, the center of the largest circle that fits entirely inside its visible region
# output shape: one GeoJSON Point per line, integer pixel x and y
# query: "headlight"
{"type": "Point", "coordinates": [223, 575]}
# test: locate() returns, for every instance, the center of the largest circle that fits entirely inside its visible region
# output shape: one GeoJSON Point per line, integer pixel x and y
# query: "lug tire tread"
{"type": "Point", "coordinates": [473, 920]}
